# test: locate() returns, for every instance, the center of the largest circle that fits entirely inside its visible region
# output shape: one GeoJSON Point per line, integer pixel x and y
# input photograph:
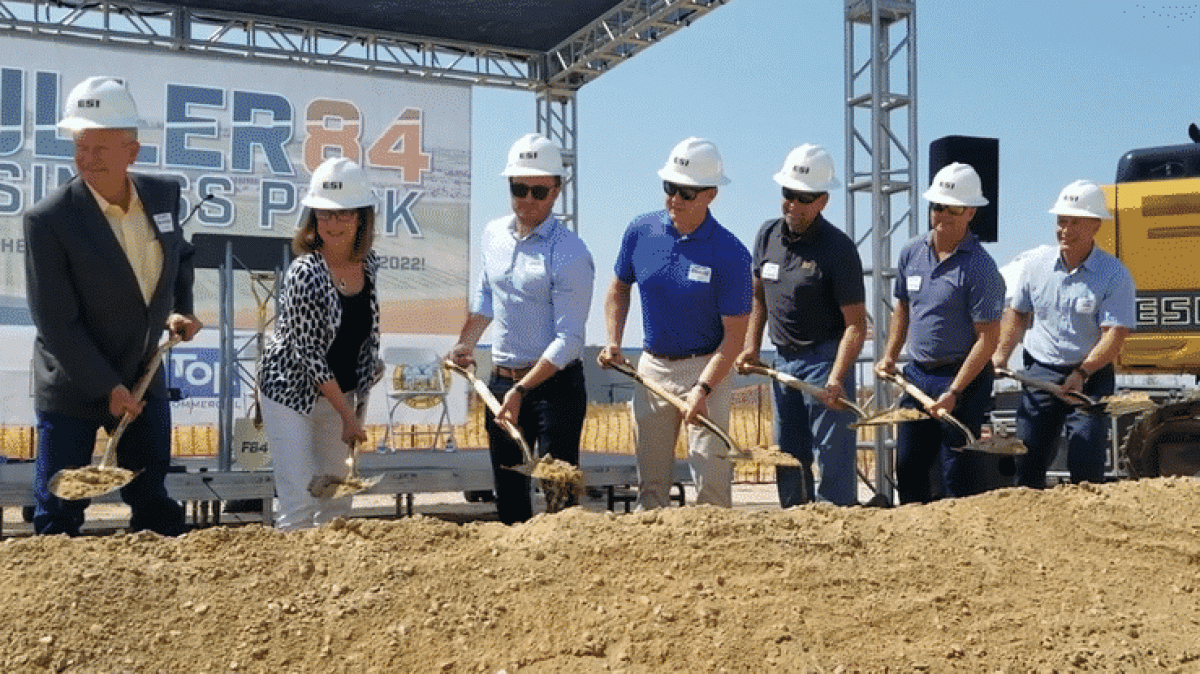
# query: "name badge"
{"type": "Point", "coordinates": [700, 273]}
{"type": "Point", "coordinates": [1085, 305]}
{"type": "Point", "coordinates": [913, 283]}
{"type": "Point", "coordinates": [164, 223]}
{"type": "Point", "coordinates": [770, 271]}
{"type": "Point", "coordinates": [535, 265]}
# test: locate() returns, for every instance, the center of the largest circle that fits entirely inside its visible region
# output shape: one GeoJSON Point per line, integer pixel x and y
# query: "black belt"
{"type": "Point", "coordinates": [516, 373]}
{"type": "Point", "coordinates": [666, 357]}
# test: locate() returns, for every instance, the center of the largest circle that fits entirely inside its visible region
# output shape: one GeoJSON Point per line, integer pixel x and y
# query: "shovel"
{"type": "Point", "coordinates": [107, 476]}
{"type": "Point", "coordinates": [560, 480]}
{"type": "Point", "coordinates": [886, 417]}
{"type": "Point", "coordinates": [1117, 405]}
{"type": "Point", "coordinates": [764, 455]}
{"type": "Point", "coordinates": [328, 486]}
{"type": "Point", "coordinates": [993, 445]}
{"type": "Point", "coordinates": [798, 384]}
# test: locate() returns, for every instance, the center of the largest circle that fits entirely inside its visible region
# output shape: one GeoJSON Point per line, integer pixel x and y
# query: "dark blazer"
{"type": "Point", "coordinates": [94, 330]}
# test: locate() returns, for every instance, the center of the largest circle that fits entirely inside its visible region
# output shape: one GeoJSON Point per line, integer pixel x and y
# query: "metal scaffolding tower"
{"type": "Point", "coordinates": [881, 162]}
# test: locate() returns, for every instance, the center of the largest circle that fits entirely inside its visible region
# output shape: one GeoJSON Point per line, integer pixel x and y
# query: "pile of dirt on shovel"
{"type": "Point", "coordinates": [1084, 578]}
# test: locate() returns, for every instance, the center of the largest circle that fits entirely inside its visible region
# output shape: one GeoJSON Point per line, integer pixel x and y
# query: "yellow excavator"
{"type": "Point", "coordinates": [1155, 231]}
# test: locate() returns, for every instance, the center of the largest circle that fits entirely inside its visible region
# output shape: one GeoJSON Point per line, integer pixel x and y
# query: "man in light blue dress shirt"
{"type": "Point", "coordinates": [535, 289]}
{"type": "Point", "coordinates": [1074, 307]}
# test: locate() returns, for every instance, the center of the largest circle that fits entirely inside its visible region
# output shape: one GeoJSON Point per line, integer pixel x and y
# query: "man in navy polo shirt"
{"type": "Point", "coordinates": [808, 289]}
{"type": "Point", "coordinates": [1074, 306]}
{"type": "Point", "coordinates": [693, 276]}
{"type": "Point", "coordinates": [949, 302]}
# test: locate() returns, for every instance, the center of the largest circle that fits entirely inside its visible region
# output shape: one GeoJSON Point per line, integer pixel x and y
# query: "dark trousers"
{"type": "Point", "coordinates": [1042, 416]}
{"type": "Point", "coordinates": [920, 445]}
{"type": "Point", "coordinates": [68, 442]}
{"type": "Point", "coordinates": [551, 421]}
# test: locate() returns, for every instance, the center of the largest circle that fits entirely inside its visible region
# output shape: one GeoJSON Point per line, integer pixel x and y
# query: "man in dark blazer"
{"type": "Point", "coordinates": [107, 271]}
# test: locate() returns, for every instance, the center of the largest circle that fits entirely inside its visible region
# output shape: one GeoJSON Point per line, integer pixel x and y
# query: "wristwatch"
{"type": "Point", "coordinates": [704, 387]}
{"type": "Point", "coordinates": [520, 388]}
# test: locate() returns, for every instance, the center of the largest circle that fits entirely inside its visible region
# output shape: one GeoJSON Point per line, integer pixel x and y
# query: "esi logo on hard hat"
{"type": "Point", "coordinates": [339, 183]}
{"type": "Point", "coordinates": [533, 155]}
{"type": "Point", "coordinates": [1082, 199]}
{"type": "Point", "coordinates": [99, 103]}
{"type": "Point", "coordinates": [956, 184]}
{"type": "Point", "coordinates": [694, 162]}
{"type": "Point", "coordinates": [808, 168]}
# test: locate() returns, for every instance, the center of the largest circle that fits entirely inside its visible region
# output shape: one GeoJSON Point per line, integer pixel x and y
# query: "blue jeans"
{"type": "Point", "coordinates": [922, 444]}
{"type": "Point", "coordinates": [803, 426]}
{"type": "Point", "coordinates": [1041, 417]}
{"type": "Point", "coordinates": [551, 421]}
{"type": "Point", "coordinates": [67, 442]}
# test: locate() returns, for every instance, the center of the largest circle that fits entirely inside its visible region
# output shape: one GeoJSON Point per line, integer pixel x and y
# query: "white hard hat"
{"type": "Point", "coordinates": [808, 168]}
{"type": "Point", "coordinates": [695, 162]}
{"type": "Point", "coordinates": [99, 103]}
{"type": "Point", "coordinates": [956, 184]}
{"type": "Point", "coordinates": [1083, 199]}
{"type": "Point", "coordinates": [533, 155]}
{"type": "Point", "coordinates": [339, 183]}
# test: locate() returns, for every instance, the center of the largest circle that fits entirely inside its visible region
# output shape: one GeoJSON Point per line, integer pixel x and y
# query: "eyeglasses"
{"type": "Point", "coordinates": [340, 215]}
{"type": "Point", "coordinates": [802, 197]}
{"type": "Point", "coordinates": [520, 190]}
{"type": "Point", "coordinates": [685, 193]}
{"type": "Point", "coordinates": [952, 210]}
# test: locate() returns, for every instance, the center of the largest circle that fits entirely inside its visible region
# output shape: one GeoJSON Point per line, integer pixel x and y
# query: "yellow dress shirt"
{"type": "Point", "coordinates": [132, 229]}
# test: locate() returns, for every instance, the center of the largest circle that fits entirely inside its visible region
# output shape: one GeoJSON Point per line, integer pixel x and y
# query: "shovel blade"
{"type": "Point", "coordinates": [89, 482]}
{"type": "Point", "coordinates": [328, 486]}
{"type": "Point", "coordinates": [1005, 446]}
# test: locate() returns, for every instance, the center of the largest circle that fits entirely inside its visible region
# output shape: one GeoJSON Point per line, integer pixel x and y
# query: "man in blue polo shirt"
{"type": "Point", "coordinates": [693, 277]}
{"type": "Point", "coordinates": [1074, 307]}
{"type": "Point", "coordinates": [536, 287]}
{"type": "Point", "coordinates": [808, 289]}
{"type": "Point", "coordinates": [949, 302]}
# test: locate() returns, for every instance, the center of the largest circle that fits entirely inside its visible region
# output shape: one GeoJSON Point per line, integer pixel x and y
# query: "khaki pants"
{"type": "Point", "coordinates": [656, 429]}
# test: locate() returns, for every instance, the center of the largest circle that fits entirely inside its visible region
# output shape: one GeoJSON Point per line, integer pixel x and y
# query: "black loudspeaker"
{"type": "Point", "coordinates": [984, 155]}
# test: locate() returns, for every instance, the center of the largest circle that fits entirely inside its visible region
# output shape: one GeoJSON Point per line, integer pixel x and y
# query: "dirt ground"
{"type": "Point", "coordinates": [1077, 578]}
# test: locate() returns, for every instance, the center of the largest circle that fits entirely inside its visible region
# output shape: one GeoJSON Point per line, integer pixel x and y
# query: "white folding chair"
{"type": "Point", "coordinates": [419, 382]}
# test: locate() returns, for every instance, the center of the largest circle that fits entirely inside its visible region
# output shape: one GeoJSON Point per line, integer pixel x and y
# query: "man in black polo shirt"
{"type": "Point", "coordinates": [808, 288]}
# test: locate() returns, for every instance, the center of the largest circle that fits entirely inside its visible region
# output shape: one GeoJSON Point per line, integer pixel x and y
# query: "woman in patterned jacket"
{"type": "Point", "coordinates": [324, 359]}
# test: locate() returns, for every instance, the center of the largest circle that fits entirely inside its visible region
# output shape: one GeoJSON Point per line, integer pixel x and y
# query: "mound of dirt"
{"type": "Point", "coordinates": [1081, 578]}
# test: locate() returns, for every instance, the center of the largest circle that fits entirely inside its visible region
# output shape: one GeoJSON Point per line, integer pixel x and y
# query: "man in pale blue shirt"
{"type": "Point", "coordinates": [1074, 307]}
{"type": "Point", "coordinates": [535, 288]}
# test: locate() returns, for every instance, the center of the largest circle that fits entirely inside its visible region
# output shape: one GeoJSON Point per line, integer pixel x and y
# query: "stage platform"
{"type": "Point", "coordinates": [204, 489]}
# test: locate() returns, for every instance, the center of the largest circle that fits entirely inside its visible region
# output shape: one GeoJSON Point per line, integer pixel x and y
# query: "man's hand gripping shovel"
{"type": "Point", "coordinates": [994, 445]}
{"type": "Point", "coordinates": [107, 476]}
{"type": "Point", "coordinates": [757, 454]}
{"type": "Point", "coordinates": [561, 482]}
{"type": "Point", "coordinates": [1116, 405]}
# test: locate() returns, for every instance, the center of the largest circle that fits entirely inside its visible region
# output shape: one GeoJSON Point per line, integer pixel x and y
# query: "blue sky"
{"type": "Point", "coordinates": [1067, 86]}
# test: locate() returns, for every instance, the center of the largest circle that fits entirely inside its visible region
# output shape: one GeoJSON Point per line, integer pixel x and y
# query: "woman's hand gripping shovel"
{"type": "Point", "coordinates": [992, 445]}
{"type": "Point", "coordinates": [761, 455]}
{"type": "Point", "coordinates": [107, 476]}
{"type": "Point", "coordinates": [561, 482]}
{"type": "Point", "coordinates": [1116, 405]}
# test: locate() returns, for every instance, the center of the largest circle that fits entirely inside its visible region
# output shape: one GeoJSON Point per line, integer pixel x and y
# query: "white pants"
{"type": "Point", "coordinates": [304, 446]}
{"type": "Point", "coordinates": [656, 428]}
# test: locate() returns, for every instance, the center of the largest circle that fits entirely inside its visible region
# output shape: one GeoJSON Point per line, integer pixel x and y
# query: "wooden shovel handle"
{"type": "Point", "coordinates": [485, 394]}
{"type": "Point", "coordinates": [799, 384]}
{"type": "Point", "coordinates": [678, 404]}
{"type": "Point", "coordinates": [1032, 382]}
{"type": "Point", "coordinates": [108, 459]}
{"type": "Point", "coordinates": [928, 402]}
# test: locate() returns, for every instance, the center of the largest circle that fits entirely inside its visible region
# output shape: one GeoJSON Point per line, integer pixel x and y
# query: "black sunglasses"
{"type": "Point", "coordinates": [952, 210]}
{"type": "Point", "coordinates": [802, 197]}
{"type": "Point", "coordinates": [539, 192]}
{"type": "Point", "coordinates": [685, 193]}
